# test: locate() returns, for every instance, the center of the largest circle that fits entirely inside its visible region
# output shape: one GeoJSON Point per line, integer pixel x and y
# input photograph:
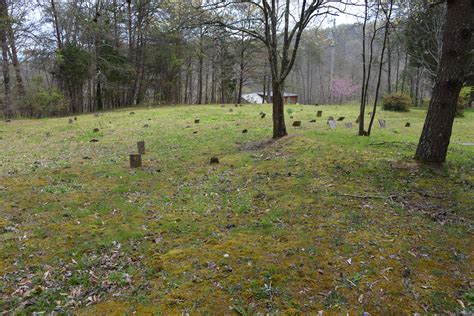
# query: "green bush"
{"type": "Point", "coordinates": [42, 101]}
{"type": "Point", "coordinates": [463, 100]}
{"type": "Point", "coordinates": [398, 102]}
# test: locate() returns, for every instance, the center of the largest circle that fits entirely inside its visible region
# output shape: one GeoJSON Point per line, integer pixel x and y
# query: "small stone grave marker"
{"type": "Point", "coordinates": [407, 124]}
{"type": "Point", "coordinates": [382, 123]}
{"type": "Point", "coordinates": [146, 125]}
{"type": "Point", "coordinates": [297, 123]}
{"type": "Point", "coordinates": [94, 140]}
{"type": "Point", "coordinates": [312, 121]}
{"type": "Point", "coordinates": [95, 130]}
{"type": "Point", "coordinates": [244, 131]}
{"type": "Point", "coordinates": [71, 121]}
{"type": "Point", "coordinates": [75, 118]}
{"type": "Point", "coordinates": [341, 118]}
{"type": "Point", "coordinates": [348, 125]}
{"type": "Point", "coordinates": [319, 114]}
{"type": "Point", "coordinates": [332, 124]}
{"type": "Point", "coordinates": [196, 121]}
{"type": "Point", "coordinates": [214, 160]}
{"type": "Point", "coordinates": [131, 113]}
{"type": "Point", "coordinates": [262, 115]}
{"type": "Point", "coordinates": [96, 114]}
{"type": "Point", "coordinates": [141, 147]}
{"type": "Point", "coordinates": [135, 160]}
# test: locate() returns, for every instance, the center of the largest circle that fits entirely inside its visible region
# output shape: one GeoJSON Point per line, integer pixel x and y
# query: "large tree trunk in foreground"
{"type": "Point", "coordinates": [279, 128]}
{"type": "Point", "coordinates": [434, 140]}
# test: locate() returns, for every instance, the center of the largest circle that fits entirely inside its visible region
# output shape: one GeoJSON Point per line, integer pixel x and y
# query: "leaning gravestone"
{"type": "Point", "coordinates": [297, 123]}
{"type": "Point", "coordinates": [196, 121]}
{"type": "Point", "coordinates": [348, 125]}
{"type": "Point", "coordinates": [319, 114]}
{"type": "Point", "coordinates": [382, 123]}
{"type": "Point", "coordinates": [141, 147]}
{"type": "Point", "coordinates": [262, 115]}
{"type": "Point", "coordinates": [341, 118]}
{"type": "Point", "coordinates": [332, 124]}
{"type": "Point", "coordinates": [135, 160]}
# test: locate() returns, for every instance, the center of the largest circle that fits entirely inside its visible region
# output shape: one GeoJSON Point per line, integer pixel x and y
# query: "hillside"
{"type": "Point", "coordinates": [321, 220]}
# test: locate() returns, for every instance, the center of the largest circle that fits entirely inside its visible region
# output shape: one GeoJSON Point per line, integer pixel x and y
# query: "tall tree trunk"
{"type": "Point", "coordinates": [389, 65]}
{"type": "Point", "coordinates": [7, 107]}
{"type": "Point", "coordinates": [15, 62]}
{"type": "Point", "coordinates": [379, 78]}
{"type": "Point", "coordinates": [436, 134]}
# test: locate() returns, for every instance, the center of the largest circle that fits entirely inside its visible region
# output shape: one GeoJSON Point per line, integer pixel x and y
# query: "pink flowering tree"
{"type": "Point", "coordinates": [343, 88]}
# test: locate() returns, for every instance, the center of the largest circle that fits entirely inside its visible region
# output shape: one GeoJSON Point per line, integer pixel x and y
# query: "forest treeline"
{"type": "Point", "coordinates": [72, 56]}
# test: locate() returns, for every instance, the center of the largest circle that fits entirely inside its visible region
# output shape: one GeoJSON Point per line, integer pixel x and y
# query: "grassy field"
{"type": "Point", "coordinates": [321, 220]}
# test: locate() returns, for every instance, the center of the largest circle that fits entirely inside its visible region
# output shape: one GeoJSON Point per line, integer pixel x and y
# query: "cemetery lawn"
{"type": "Point", "coordinates": [321, 220]}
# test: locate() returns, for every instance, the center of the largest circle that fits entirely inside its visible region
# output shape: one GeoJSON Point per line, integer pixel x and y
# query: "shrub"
{"type": "Point", "coordinates": [463, 100]}
{"type": "Point", "coordinates": [42, 100]}
{"type": "Point", "coordinates": [398, 102]}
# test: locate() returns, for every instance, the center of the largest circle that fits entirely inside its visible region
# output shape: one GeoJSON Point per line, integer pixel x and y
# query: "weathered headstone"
{"type": "Point", "coordinates": [95, 130]}
{"type": "Point", "coordinates": [141, 147]}
{"type": "Point", "coordinates": [262, 115]}
{"type": "Point", "coordinates": [195, 132]}
{"type": "Point", "coordinates": [319, 114]}
{"type": "Point", "coordinates": [244, 131]}
{"type": "Point", "coordinates": [312, 121]}
{"type": "Point", "coordinates": [135, 160]}
{"type": "Point", "coordinates": [146, 125]}
{"type": "Point", "coordinates": [348, 125]}
{"type": "Point", "coordinates": [341, 118]}
{"type": "Point", "coordinates": [382, 123]}
{"type": "Point", "coordinates": [71, 121]}
{"type": "Point", "coordinates": [75, 118]}
{"type": "Point", "coordinates": [196, 121]}
{"type": "Point", "coordinates": [214, 160]}
{"type": "Point", "coordinates": [332, 124]}
{"type": "Point", "coordinates": [407, 124]}
{"type": "Point", "coordinates": [297, 123]}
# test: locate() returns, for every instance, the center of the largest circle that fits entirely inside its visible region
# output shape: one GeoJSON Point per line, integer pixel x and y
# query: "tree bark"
{"type": "Point", "coordinates": [7, 110]}
{"type": "Point", "coordinates": [279, 127]}
{"type": "Point", "coordinates": [436, 134]}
